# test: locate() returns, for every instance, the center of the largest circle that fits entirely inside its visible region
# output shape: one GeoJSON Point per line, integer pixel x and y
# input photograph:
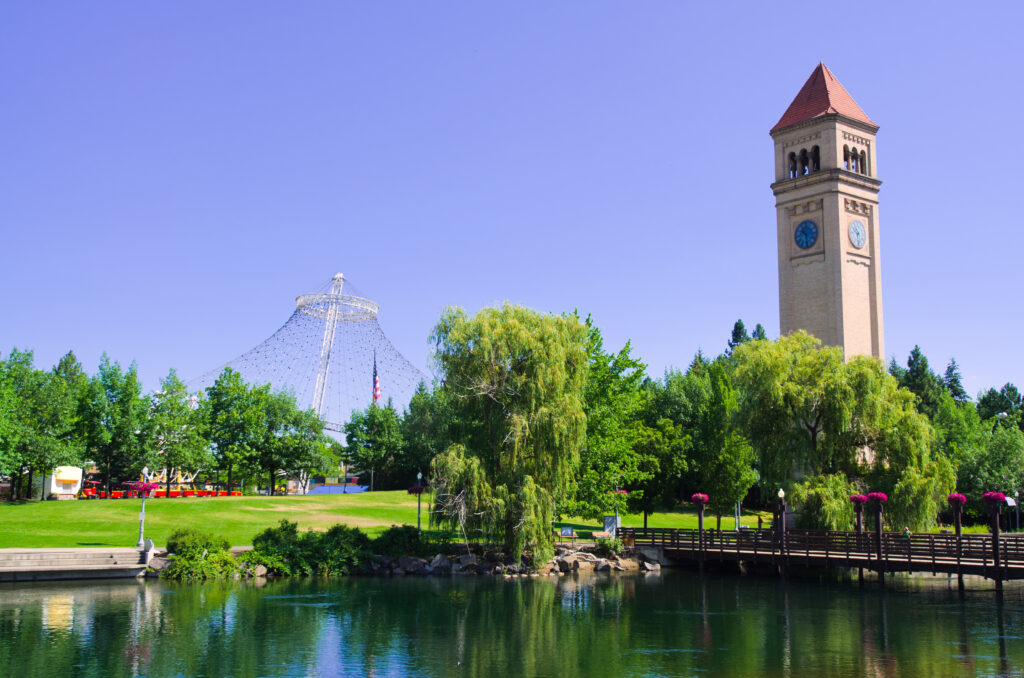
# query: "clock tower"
{"type": "Point", "coordinates": [826, 199]}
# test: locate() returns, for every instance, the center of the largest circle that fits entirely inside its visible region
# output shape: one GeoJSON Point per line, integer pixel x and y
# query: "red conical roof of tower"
{"type": "Point", "coordinates": [821, 95]}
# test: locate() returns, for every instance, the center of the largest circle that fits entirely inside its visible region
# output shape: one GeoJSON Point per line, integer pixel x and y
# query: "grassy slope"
{"type": "Point", "coordinates": [116, 522]}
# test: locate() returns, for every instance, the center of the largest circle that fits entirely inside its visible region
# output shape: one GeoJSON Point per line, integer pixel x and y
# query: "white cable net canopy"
{"type": "Point", "coordinates": [325, 355]}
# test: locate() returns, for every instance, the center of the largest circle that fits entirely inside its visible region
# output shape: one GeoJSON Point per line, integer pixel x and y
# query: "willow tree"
{"type": "Point", "coordinates": [517, 379]}
{"type": "Point", "coordinates": [805, 410]}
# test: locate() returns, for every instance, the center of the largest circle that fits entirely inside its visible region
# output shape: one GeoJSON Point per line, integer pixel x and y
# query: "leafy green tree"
{"type": "Point", "coordinates": [823, 502]}
{"type": "Point", "coordinates": [612, 457]}
{"type": "Point", "coordinates": [759, 332]}
{"type": "Point", "coordinates": [953, 383]}
{"type": "Point", "coordinates": [177, 428]}
{"type": "Point", "coordinates": [699, 363]}
{"type": "Point", "coordinates": [310, 450]}
{"type": "Point", "coordinates": [724, 458]}
{"type": "Point", "coordinates": [293, 442]}
{"type": "Point", "coordinates": [959, 433]}
{"type": "Point", "coordinates": [664, 450]}
{"type": "Point", "coordinates": [805, 410]}
{"type": "Point", "coordinates": [22, 383]}
{"type": "Point", "coordinates": [114, 414]}
{"type": "Point", "coordinates": [235, 418]}
{"type": "Point", "coordinates": [739, 336]}
{"type": "Point", "coordinates": [517, 378]}
{"type": "Point", "coordinates": [796, 405]}
{"type": "Point", "coordinates": [996, 465]}
{"type": "Point", "coordinates": [373, 442]}
{"type": "Point", "coordinates": [9, 431]}
{"type": "Point", "coordinates": [38, 416]}
{"type": "Point", "coordinates": [993, 402]}
{"type": "Point", "coordinates": [427, 429]}
{"type": "Point", "coordinates": [896, 370]}
{"type": "Point", "coordinates": [919, 379]}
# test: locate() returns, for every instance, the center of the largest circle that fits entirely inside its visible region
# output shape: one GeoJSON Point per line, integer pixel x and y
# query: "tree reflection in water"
{"type": "Point", "coordinates": [671, 624]}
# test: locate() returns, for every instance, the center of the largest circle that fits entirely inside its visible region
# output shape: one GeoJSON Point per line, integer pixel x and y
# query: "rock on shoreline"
{"type": "Point", "coordinates": [565, 561]}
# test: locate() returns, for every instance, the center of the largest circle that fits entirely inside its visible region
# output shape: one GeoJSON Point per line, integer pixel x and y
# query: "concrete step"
{"type": "Point", "coordinates": [81, 563]}
{"type": "Point", "coordinates": [25, 559]}
{"type": "Point", "coordinates": [92, 562]}
{"type": "Point", "coordinates": [77, 568]}
{"type": "Point", "coordinates": [17, 557]}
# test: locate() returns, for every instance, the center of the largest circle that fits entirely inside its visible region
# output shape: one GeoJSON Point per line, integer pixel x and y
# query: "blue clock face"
{"type": "Point", "coordinates": [858, 234]}
{"type": "Point", "coordinates": [806, 234]}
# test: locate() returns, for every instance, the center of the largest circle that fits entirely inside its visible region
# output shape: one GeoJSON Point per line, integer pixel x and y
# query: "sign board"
{"type": "Point", "coordinates": [566, 532]}
{"type": "Point", "coordinates": [1010, 501]}
{"type": "Point", "coordinates": [612, 523]}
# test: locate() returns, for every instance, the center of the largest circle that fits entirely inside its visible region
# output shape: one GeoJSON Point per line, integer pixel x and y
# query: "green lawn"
{"type": "Point", "coordinates": [115, 522]}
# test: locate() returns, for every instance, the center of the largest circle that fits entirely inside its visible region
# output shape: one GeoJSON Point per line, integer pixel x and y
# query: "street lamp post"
{"type": "Point", "coordinates": [1016, 501]}
{"type": "Point", "coordinates": [782, 523]}
{"type": "Point", "coordinates": [144, 488]}
{"type": "Point", "coordinates": [419, 497]}
{"type": "Point", "coordinates": [142, 521]}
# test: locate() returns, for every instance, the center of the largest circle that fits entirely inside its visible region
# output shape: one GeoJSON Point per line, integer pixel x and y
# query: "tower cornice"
{"type": "Point", "coordinates": [838, 176]}
{"type": "Point", "coordinates": [831, 117]}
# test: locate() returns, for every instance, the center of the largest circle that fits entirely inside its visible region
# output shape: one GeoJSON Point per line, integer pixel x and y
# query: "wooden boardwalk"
{"type": "Point", "coordinates": [970, 554]}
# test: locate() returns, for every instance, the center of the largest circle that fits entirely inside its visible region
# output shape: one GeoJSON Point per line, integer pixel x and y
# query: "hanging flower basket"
{"type": "Point", "coordinates": [622, 492]}
{"type": "Point", "coordinates": [417, 489]}
{"type": "Point", "coordinates": [956, 499]}
{"type": "Point", "coordinates": [144, 488]}
{"type": "Point", "coordinates": [880, 497]}
{"type": "Point", "coordinates": [858, 499]}
{"type": "Point", "coordinates": [700, 498]}
{"type": "Point", "coordinates": [994, 498]}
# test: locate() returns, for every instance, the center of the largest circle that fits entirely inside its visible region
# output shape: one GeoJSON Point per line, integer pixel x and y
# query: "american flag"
{"type": "Point", "coordinates": [376, 381]}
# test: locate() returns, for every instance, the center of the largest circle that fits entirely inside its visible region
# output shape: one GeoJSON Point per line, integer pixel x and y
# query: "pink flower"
{"type": "Point", "coordinates": [700, 498]}
{"type": "Point", "coordinates": [617, 492]}
{"type": "Point", "coordinates": [880, 497]}
{"type": "Point", "coordinates": [858, 499]}
{"type": "Point", "coordinates": [956, 498]}
{"type": "Point", "coordinates": [994, 497]}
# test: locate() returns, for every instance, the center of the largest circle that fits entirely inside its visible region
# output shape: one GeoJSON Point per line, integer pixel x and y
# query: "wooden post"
{"type": "Point", "coordinates": [700, 535]}
{"type": "Point", "coordinates": [878, 541]}
{"type": "Point", "coordinates": [858, 507]}
{"type": "Point", "coordinates": [958, 510]}
{"type": "Point", "coordinates": [995, 546]}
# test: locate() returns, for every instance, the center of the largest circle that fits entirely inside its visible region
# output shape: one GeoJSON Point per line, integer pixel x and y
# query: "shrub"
{"type": "Point", "coordinates": [398, 540]}
{"type": "Point", "coordinates": [608, 547]}
{"type": "Point", "coordinates": [341, 549]}
{"type": "Point", "coordinates": [199, 567]}
{"type": "Point", "coordinates": [189, 542]}
{"type": "Point", "coordinates": [199, 556]}
{"type": "Point", "coordinates": [285, 550]}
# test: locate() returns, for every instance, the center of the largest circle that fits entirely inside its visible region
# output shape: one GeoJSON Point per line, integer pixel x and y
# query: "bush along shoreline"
{"type": "Point", "coordinates": [284, 551]}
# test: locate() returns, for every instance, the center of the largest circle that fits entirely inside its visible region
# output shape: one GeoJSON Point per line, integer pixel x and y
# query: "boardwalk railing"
{"type": "Point", "coordinates": [968, 554]}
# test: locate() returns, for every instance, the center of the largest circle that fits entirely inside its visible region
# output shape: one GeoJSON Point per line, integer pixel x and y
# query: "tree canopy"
{"type": "Point", "coordinates": [517, 379]}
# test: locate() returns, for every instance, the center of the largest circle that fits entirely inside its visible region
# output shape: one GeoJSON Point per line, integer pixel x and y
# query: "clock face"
{"type": "Point", "coordinates": [806, 234]}
{"type": "Point", "coordinates": [858, 234]}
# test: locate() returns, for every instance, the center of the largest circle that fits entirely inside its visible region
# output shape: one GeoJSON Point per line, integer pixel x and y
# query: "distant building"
{"type": "Point", "coordinates": [826, 190]}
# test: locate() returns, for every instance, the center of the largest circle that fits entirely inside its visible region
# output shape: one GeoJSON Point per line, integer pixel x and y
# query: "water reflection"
{"type": "Point", "coordinates": [673, 624]}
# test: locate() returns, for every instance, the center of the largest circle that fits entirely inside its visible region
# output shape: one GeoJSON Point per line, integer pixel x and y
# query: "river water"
{"type": "Point", "coordinates": [672, 624]}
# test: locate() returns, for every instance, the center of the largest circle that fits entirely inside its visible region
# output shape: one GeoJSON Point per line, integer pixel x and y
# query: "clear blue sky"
{"type": "Point", "coordinates": [172, 175]}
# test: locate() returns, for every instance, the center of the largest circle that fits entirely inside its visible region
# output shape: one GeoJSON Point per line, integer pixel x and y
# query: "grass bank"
{"type": "Point", "coordinates": [115, 522]}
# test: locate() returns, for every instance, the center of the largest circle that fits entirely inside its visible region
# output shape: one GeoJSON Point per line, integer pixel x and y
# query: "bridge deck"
{"type": "Point", "coordinates": [946, 553]}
